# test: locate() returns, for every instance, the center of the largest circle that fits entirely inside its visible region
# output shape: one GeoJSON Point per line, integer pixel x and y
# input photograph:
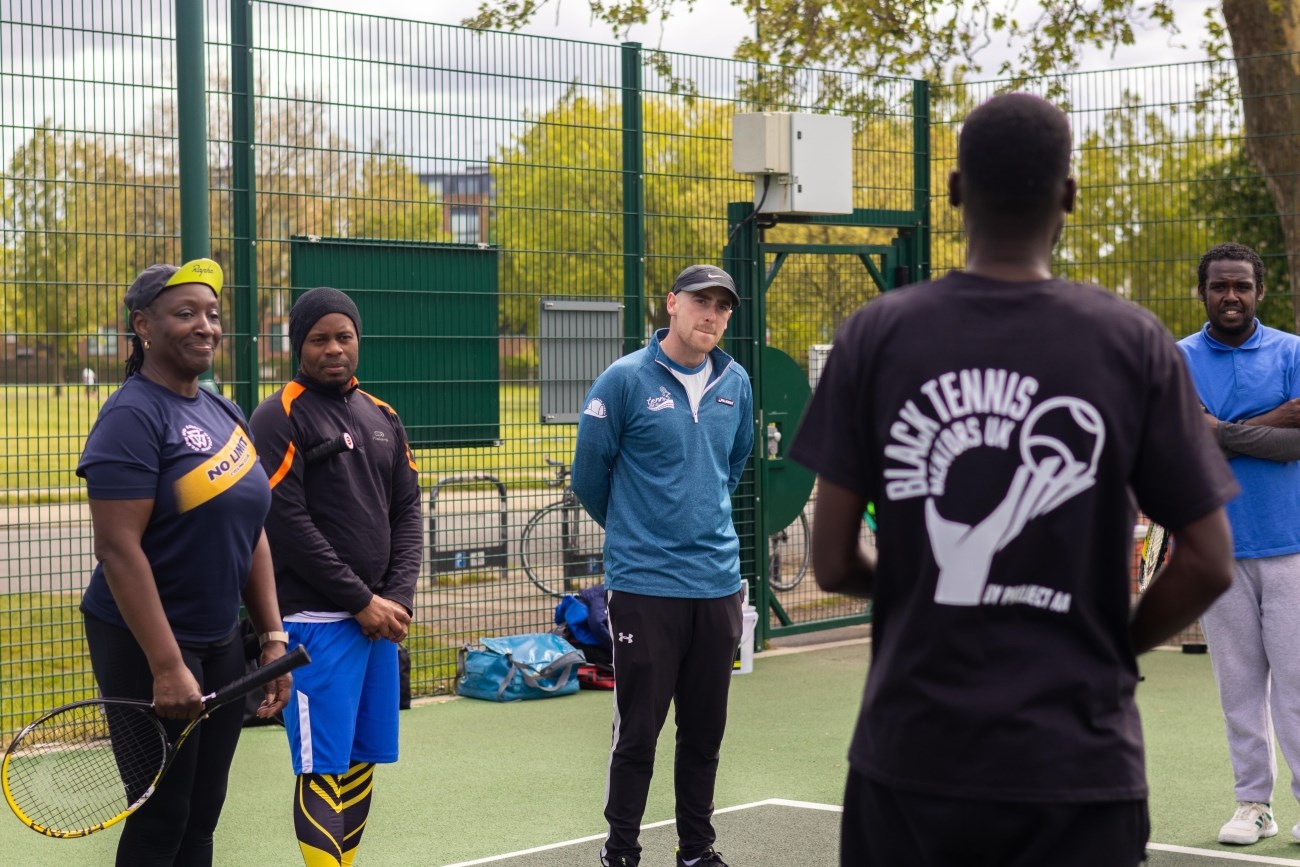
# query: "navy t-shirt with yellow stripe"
{"type": "Point", "coordinates": [195, 459]}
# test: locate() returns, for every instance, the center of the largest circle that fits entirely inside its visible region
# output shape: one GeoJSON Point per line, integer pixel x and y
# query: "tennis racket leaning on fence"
{"type": "Point", "coordinates": [86, 766]}
{"type": "Point", "coordinates": [1155, 551]}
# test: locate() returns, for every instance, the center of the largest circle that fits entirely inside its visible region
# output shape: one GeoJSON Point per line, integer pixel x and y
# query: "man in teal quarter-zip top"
{"type": "Point", "coordinates": [663, 437]}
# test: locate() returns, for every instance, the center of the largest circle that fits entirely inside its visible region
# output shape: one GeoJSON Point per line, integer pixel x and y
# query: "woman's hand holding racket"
{"type": "Point", "coordinates": [176, 694]}
{"type": "Point", "coordinates": [88, 765]}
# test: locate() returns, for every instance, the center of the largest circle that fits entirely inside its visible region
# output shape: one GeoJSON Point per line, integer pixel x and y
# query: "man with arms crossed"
{"type": "Point", "coordinates": [664, 435]}
{"type": "Point", "coordinates": [1248, 378]}
{"type": "Point", "coordinates": [1004, 422]}
{"type": "Point", "coordinates": [346, 539]}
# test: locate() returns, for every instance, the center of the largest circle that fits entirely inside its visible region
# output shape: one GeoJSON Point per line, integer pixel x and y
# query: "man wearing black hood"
{"type": "Point", "coordinates": [345, 537]}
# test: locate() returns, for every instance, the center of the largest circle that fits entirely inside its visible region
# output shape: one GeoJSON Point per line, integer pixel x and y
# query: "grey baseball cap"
{"type": "Point", "coordinates": [698, 277]}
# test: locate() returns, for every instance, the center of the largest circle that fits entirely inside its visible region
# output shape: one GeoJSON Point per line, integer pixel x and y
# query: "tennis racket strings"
{"type": "Point", "coordinates": [85, 765]}
{"type": "Point", "coordinates": [1155, 550]}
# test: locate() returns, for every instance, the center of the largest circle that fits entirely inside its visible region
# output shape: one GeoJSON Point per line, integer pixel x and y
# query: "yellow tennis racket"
{"type": "Point", "coordinates": [88, 765]}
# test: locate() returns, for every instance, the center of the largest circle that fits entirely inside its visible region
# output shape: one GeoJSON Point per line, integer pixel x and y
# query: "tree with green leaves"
{"type": "Point", "coordinates": [69, 207]}
{"type": "Point", "coordinates": [392, 203]}
{"type": "Point", "coordinates": [559, 217]}
{"type": "Point", "coordinates": [559, 204]}
{"type": "Point", "coordinates": [945, 40]}
{"type": "Point", "coordinates": [1242, 207]}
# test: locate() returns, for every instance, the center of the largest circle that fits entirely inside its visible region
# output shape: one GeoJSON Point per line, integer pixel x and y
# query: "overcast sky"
{"type": "Point", "coordinates": [716, 27]}
{"type": "Point", "coordinates": [713, 29]}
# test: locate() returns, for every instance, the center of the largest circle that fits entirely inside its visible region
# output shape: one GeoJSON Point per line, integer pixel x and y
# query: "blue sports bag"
{"type": "Point", "coordinates": [518, 667]}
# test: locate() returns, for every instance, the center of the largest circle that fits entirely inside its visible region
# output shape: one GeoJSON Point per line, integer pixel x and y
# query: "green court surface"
{"type": "Point", "coordinates": [521, 785]}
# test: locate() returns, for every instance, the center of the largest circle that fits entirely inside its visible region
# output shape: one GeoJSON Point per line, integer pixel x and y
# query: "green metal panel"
{"type": "Point", "coordinates": [429, 343]}
{"type": "Point", "coordinates": [783, 394]}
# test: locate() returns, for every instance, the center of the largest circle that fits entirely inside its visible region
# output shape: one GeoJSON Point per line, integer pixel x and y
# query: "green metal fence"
{"type": "Point", "coordinates": [1163, 175]}
{"type": "Point", "coordinates": [533, 199]}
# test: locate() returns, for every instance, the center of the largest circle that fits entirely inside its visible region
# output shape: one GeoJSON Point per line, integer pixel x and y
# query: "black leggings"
{"type": "Point", "coordinates": [174, 827]}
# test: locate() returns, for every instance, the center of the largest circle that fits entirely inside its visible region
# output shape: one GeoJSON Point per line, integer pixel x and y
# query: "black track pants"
{"type": "Point", "coordinates": [676, 651]}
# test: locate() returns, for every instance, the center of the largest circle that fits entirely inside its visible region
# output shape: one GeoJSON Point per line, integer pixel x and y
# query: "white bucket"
{"type": "Point", "coordinates": [744, 663]}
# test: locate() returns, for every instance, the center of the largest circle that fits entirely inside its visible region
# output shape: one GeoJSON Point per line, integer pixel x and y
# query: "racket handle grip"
{"type": "Point", "coordinates": [258, 677]}
{"type": "Point", "coordinates": [341, 443]}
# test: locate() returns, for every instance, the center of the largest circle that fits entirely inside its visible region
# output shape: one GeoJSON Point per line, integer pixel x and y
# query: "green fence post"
{"type": "Point", "coordinates": [244, 203]}
{"type": "Point", "coordinates": [192, 138]}
{"type": "Point", "coordinates": [633, 202]}
{"type": "Point", "coordinates": [745, 338]}
{"type": "Point", "coordinates": [921, 179]}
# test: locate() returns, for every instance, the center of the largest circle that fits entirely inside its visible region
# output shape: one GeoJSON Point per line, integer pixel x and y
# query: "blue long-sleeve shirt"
{"type": "Point", "coordinates": [659, 477]}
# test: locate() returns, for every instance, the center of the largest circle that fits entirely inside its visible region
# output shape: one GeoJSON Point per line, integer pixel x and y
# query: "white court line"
{"type": "Point", "coordinates": [832, 808]}
{"type": "Point", "coordinates": [546, 848]}
{"type": "Point", "coordinates": [803, 805]}
{"type": "Point", "coordinates": [808, 648]}
{"type": "Point", "coordinates": [1224, 856]}
{"type": "Point", "coordinates": [776, 802]}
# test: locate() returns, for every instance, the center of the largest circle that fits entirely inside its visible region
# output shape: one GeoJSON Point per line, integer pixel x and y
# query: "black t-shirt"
{"type": "Point", "coordinates": [1003, 431]}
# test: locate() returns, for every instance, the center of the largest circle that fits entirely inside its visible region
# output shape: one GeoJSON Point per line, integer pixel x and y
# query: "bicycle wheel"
{"type": "Point", "coordinates": [560, 559]}
{"type": "Point", "coordinates": [788, 561]}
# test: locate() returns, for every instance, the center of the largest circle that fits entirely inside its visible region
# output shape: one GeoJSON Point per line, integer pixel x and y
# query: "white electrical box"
{"type": "Point", "coordinates": [760, 143]}
{"type": "Point", "coordinates": [801, 163]}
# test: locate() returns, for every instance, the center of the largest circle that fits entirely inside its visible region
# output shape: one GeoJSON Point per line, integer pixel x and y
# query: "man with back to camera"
{"type": "Point", "coordinates": [1248, 378]}
{"type": "Point", "coordinates": [662, 440]}
{"type": "Point", "coordinates": [346, 539]}
{"type": "Point", "coordinates": [1002, 421]}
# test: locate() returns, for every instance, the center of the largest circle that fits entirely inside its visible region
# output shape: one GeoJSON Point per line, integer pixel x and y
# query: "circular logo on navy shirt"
{"type": "Point", "coordinates": [196, 438]}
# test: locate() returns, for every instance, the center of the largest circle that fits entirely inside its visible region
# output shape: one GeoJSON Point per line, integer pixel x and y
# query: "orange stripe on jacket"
{"type": "Point", "coordinates": [410, 458]}
{"type": "Point", "coordinates": [292, 391]}
{"type": "Point", "coordinates": [285, 466]}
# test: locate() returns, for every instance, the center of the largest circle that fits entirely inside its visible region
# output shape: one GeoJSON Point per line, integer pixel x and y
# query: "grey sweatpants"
{"type": "Point", "coordinates": [1253, 632]}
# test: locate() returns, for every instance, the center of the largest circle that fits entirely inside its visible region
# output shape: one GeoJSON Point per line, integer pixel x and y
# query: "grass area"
{"type": "Point", "coordinates": [43, 430]}
{"type": "Point", "coordinates": [524, 442]}
{"type": "Point", "coordinates": [44, 662]}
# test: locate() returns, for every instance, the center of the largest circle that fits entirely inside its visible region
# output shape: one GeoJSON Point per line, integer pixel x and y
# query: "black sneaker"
{"type": "Point", "coordinates": [618, 860]}
{"type": "Point", "coordinates": [709, 858]}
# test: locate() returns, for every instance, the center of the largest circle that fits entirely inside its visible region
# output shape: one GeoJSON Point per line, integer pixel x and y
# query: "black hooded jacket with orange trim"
{"type": "Point", "coordinates": [345, 498]}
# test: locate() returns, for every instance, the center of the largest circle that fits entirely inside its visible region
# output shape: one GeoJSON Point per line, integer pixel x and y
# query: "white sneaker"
{"type": "Point", "coordinates": [1251, 821]}
{"type": "Point", "coordinates": [1295, 832]}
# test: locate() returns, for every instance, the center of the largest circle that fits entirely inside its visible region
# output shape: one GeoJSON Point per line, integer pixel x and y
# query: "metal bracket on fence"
{"type": "Point", "coordinates": [475, 555]}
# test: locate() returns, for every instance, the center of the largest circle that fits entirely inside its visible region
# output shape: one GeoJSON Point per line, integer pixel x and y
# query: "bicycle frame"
{"type": "Point", "coordinates": [578, 564]}
{"type": "Point", "coordinates": [558, 563]}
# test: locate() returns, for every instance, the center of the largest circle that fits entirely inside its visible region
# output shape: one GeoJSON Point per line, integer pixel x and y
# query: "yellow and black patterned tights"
{"type": "Point", "coordinates": [329, 814]}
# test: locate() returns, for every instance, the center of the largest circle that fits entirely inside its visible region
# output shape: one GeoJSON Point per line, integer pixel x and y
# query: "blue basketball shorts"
{"type": "Point", "coordinates": [343, 708]}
